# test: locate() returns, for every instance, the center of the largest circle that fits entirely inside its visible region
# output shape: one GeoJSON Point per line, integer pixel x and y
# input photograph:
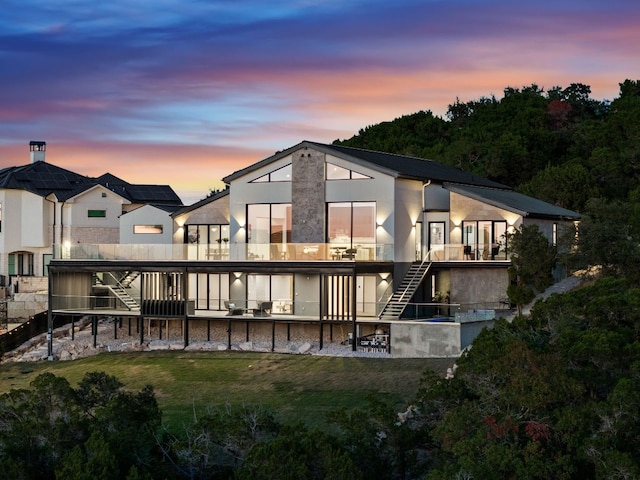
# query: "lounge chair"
{"type": "Point", "coordinates": [263, 310]}
{"type": "Point", "coordinates": [233, 309]}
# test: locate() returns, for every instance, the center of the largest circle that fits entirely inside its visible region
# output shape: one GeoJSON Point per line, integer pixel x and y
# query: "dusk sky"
{"type": "Point", "coordinates": [185, 92]}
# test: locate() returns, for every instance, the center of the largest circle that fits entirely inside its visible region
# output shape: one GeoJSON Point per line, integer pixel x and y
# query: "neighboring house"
{"type": "Point", "coordinates": [325, 235]}
{"type": "Point", "coordinates": [45, 207]}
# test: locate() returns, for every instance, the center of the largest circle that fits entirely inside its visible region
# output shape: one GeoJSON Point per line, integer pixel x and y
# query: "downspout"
{"type": "Point", "coordinates": [53, 230]}
{"type": "Point", "coordinates": [61, 226]}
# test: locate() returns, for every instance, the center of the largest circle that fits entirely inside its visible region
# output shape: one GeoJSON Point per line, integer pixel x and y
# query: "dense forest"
{"type": "Point", "coordinates": [550, 395]}
{"type": "Point", "coordinates": [560, 145]}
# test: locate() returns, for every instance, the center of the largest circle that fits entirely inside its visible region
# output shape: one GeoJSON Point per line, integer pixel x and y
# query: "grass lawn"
{"type": "Point", "coordinates": [294, 387]}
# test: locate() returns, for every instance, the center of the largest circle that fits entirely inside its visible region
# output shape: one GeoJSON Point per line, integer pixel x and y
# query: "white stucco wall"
{"type": "Point", "coordinates": [215, 212]}
{"type": "Point", "coordinates": [146, 215]}
{"type": "Point", "coordinates": [80, 228]}
{"type": "Point", "coordinates": [243, 192]}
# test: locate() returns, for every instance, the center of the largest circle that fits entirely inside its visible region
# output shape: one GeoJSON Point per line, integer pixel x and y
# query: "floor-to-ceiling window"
{"type": "Point", "coordinates": [275, 288]}
{"type": "Point", "coordinates": [437, 240]}
{"type": "Point", "coordinates": [484, 239]}
{"type": "Point", "coordinates": [268, 230]}
{"type": "Point", "coordinates": [352, 225]}
{"type": "Point", "coordinates": [209, 242]}
{"type": "Point", "coordinates": [209, 290]}
{"type": "Point", "coordinates": [366, 295]}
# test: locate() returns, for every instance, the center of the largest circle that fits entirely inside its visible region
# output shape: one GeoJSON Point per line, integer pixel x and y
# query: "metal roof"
{"type": "Point", "coordinates": [514, 202]}
{"type": "Point", "coordinates": [42, 178]}
{"type": "Point", "coordinates": [401, 166]}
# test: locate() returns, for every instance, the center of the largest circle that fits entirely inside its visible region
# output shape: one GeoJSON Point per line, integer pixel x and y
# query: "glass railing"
{"type": "Point", "coordinates": [449, 312]}
{"type": "Point", "coordinates": [226, 252]}
{"type": "Point", "coordinates": [455, 252]}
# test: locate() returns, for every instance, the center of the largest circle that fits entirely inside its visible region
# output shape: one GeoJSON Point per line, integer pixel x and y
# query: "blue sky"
{"type": "Point", "coordinates": [185, 92]}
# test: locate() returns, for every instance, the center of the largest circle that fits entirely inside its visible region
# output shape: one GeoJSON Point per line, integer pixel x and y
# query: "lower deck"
{"type": "Point", "coordinates": [229, 330]}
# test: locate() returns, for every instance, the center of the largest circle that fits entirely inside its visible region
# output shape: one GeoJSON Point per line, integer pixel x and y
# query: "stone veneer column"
{"type": "Point", "coordinates": [307, 197]}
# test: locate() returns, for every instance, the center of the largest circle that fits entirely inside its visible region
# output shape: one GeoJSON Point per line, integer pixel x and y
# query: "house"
{"type": "Point", "coordinates": [329, 238]}
{"type": "Point", "coordinates": [45, 207]}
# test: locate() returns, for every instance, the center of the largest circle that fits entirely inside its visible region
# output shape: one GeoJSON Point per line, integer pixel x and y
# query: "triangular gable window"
{"type": "Point", "coordinates": [335, 172]}
{"type": "Point", "coordinates": [282, 174]}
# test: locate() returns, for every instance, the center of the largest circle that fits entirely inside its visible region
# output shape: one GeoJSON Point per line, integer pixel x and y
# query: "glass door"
{"type": "Point", "coordinates": [437, 240]}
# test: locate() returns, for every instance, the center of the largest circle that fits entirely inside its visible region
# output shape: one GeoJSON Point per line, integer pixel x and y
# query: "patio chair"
{"type": "Point", "coordinates": [263, 310]}
{"type": "Point", "coordinates": [349, 253]}
{"type": "Point", "coordinates": [232, 308]}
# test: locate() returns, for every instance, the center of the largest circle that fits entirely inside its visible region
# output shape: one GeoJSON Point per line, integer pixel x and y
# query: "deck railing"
{"type": "Point", "coordinates": [226, 252]}
{"type": "Point", "coordinates": [455, 252]}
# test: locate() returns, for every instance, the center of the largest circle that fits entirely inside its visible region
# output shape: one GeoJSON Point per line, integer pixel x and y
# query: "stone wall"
{"type": "Point", "coordinates": [23, 306]}
{"type": "Point", "coordinates": [308, 197]}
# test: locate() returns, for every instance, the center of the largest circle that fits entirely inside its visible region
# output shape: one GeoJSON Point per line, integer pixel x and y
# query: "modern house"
{"type": "Point", "coordinates": [323, 239]}
{"type": "Point", "coordinates": [43, 206]}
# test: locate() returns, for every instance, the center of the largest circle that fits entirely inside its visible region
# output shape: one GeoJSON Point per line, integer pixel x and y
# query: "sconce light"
{"type": "Point", "coordinates": [237, 274]}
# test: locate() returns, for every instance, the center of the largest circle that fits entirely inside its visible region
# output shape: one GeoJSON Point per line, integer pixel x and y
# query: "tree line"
{"type": "Point", "coordinates": [551, 395]}
{"type": "Point", "coordinates": [558, 145]}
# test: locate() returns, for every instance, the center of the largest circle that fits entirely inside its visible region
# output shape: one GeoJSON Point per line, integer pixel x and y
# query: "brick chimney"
{"type": "Point", "coordinates": [37, 151]}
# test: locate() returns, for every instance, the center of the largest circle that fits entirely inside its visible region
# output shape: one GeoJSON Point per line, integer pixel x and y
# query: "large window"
{"type": "Point", "coordinates": [351, 223]}
{"type": "Point", "coordinates": [207, 234]}
{"type": "Point", "coordinates": [282, 174]}
{"type": "Point", "coordinates": [335, 172]}
{"type": "Point", "coordinates": [21, 263]}
{"type": "Point", "coordinates": [209, 290]}
{"type": "Point", "coordinates": [485, 239]}
{"type": "Point", "coordinates": [269, 223]}
{"type": "Point", "coordinates": [275, 288]}
{"type": "Point", "coordinates": [207, 241]}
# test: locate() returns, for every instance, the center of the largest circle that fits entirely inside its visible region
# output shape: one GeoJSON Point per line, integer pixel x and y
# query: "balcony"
{"type": "Point", "coordinates": [226, 252]}
{"type": "Point", "coordinates": [456, 252]}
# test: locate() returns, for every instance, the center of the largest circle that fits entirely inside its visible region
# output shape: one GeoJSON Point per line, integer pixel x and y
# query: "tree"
{"type": "Point", "coordinates": [532, 262]}
{"type": "Point", "coordinates": [297, 453]}
{"type": "Point", "coordinates": [609, 238]}
{"type": "Point", "coordinates": [97, 431]}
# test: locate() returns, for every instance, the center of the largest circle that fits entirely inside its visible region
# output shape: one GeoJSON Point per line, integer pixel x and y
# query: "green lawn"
{"type": "Point", "coordinates": [294, 387]}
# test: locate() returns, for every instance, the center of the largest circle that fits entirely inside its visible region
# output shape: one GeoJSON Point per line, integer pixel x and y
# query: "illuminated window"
{"type": "Point", "coordinates": [335, 172]}
{"type": "Point", "coordinates": [351, 223]}
{"type": "Point", "coordinates": [147, 229]}
{"type": "Point", "coordinates": [280, 175]}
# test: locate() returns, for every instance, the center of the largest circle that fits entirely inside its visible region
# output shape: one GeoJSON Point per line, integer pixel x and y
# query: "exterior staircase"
{"type": "Point", "coordinates": [402, 296]}
{"type": "Point", "coordinates": [121, 288]}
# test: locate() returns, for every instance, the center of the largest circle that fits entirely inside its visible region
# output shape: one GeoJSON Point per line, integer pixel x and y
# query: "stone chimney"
{"type": "Point", "coordinates": [37, 150]}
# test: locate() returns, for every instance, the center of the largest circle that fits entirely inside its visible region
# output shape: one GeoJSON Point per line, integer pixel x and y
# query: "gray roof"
{"type": "Point", "coordinates": [137, 193]}
{"type": "Point", "coordinates": [200, 203]}
{"type": "Point", "coordinates": [513, 202]}
{"type": "Point", "coordinates": [42, 178]}
{"type": "Point", "coordinates": [400, 166]}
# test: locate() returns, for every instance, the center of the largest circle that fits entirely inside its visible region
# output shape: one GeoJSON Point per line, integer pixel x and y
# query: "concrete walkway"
{"type": "Point", "coordinates": [562, 286]}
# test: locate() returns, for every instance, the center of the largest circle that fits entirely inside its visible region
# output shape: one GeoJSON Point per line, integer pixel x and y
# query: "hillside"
{"type": "Point", "coordinates": [558, 145]}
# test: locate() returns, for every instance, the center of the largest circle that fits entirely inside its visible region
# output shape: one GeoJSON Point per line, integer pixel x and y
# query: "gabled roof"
{"type": "Point", "coordinates": [513, 202]}
{"type": "Point", "coordinates": [136, 193]}
{"type": "Point", "coordinates": [43, 179]}
{"type": "Point", "coordinates": [170, 209]}
{"type": "Point", "coordinates": [201, 203]}
{"type": "Point", "coordinates": [400, 166]}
